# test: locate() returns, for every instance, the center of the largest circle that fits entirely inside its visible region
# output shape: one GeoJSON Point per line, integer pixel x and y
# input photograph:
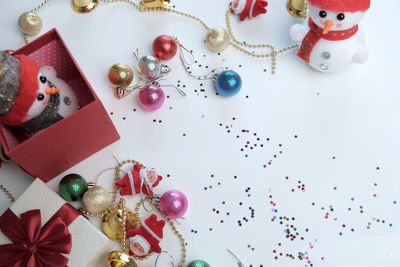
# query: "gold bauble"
{"type": "Point", "coordinates": [297, 8]}
{"type": "Point", "coordinates": [30, 23]}
{"type": "Point", "coordinates": [156, 3]}
{"type": "Point", "coordinates": [120, 75]}
{"type": "Point", "coordinates": [120, 259]}
{"type": "Point", "coordinates": [112, 223]}
{"type": "Point", "coordinates": [218, 39]}
{"type": "Point", "coordinates": [96, 200]}
{"type": "Point", "coordinates": [84, 6]}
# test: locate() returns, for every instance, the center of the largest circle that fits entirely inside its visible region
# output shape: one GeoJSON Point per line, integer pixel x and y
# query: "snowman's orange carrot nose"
{"type": "Point", "coordinates": [328, 26]}
{"type": "Point", "coordinates": [51, 90]}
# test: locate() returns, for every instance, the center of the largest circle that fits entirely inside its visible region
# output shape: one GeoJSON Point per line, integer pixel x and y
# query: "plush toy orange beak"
{"type": "Point", "coordinates": [51, 90]}
{"type": "Point", "coordinates": [328, 27]}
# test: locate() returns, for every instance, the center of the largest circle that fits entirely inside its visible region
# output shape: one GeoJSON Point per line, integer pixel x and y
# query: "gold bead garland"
{"type": "Point", "coordinates": [237, 44]}
{"type": "Point", "coordinates": [123, 224]}
{"type": "Point", "coordinates": [241, 46]}
{"type": "Point", "coordinates": [7, 193]}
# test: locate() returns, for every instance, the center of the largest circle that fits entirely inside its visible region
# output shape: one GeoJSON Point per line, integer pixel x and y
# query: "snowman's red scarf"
{"type": "Point", "coordinates": [315, 34]}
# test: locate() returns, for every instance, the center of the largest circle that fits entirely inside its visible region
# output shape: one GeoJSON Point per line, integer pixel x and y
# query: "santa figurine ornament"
{"type": "Point", "coordinates": [140, 180]}
{"type": "Point", "coordinates": [146, 238]}
{"type": "Point", "coordinates": [32, 98]}
{"type": "Point", "coordinates": [331, 38]}
{"type": "Point", "coordinates": [248, 8]}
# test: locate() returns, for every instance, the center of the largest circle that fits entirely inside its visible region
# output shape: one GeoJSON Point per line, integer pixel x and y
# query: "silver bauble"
{"type": "Point", "coordinates": [148, 68]}
{"type": "Point", "coordinates": [96, 200]}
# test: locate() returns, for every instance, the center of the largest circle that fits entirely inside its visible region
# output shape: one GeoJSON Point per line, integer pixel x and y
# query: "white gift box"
{"type": "Point", "coordinates": [90, 246]}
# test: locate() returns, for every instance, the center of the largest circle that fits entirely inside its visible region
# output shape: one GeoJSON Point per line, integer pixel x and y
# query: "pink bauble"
{"type": "Point", "coordinates": [151, 97]}
{"type": "Point", "coordinates": [173, 204]}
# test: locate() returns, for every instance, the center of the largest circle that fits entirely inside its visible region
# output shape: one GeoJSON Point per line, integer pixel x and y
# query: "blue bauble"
{"type": "Point", "coordinates": [228, 83]}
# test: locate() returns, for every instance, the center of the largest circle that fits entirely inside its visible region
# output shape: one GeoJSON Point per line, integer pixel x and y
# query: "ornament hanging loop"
{"type": "Point", "coordinates": [182, 53]}
{"type": "Point", "coordinates": [180, 91]}
{"type": "Point", "coordinates": [239, 262]}
{"type": "Point", "coordinates": [101, 173]}
{"type": "Point", "coordinates": [142, 198]}
{"type": "Point", "coordinates": [215, 77]}
{"type": "Point", "coordinates": [212, 75]}
{"type": "Point", "coordinates": [136, 54]}
{"type": "Point", "coordinates": [122, 92]}
{"type": "Point", "coordinates": [158, 256]}
{"type": "Point", "coordinates": [125, 91]}
{"type": "Point", "coordinates": [3, 157]}
{"type": "Point", "coordinates": [118, 162]}
{"type": "Point", "coordinates": [165, 69]}
{"type": "Point", "coordinates": [115, 157]}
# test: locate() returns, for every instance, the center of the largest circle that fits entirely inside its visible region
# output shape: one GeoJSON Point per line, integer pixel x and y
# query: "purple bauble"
{"type": "Point", "coordinates": [173, 204]}
{"type": "Point", "coordinates": [151, 97]}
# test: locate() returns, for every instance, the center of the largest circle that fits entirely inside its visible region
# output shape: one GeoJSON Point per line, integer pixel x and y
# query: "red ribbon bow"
{"type": "Point", "coordinates": [34, 245]}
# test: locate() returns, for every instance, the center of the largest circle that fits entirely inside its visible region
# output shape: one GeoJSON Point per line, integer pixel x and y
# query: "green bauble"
{"type": "Point", "coordinates": [72, 187]}
{"type": "Point", "coordinates": [198, 263]}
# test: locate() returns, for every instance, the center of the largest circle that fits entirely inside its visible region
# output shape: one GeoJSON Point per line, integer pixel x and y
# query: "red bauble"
{"type": "Point", "coordinates": [164, 47]}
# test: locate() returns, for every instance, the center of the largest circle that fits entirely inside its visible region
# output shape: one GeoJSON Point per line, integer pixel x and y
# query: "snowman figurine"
{"type": "Point", "coordinates": [248, 8]}
{"type": "Point", "coordinates": [331, 38]}
{"type": "Point", "coordinates": [32, 99]}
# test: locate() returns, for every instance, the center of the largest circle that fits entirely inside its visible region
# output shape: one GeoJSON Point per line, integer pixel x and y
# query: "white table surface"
{"type": "Point", "coordinates": [347, 126]}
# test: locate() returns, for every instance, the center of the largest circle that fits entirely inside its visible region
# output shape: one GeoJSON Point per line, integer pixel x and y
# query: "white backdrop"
{"type": "Point", "coordinates": [345, 153]}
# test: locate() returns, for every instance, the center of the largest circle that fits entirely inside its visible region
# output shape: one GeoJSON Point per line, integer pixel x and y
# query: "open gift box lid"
{"type": "Point", "coordinates": [71, 140]}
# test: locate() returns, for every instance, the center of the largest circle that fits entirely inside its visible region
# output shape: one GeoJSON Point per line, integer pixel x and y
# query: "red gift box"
{"type": "Point", "coordinates": [71, 140]}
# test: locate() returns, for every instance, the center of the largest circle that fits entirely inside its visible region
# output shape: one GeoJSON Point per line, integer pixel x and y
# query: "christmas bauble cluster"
{"type": "Point", "coordinates": [95, 199]}
{"type": "Point", "coordinates": [149, 68]}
